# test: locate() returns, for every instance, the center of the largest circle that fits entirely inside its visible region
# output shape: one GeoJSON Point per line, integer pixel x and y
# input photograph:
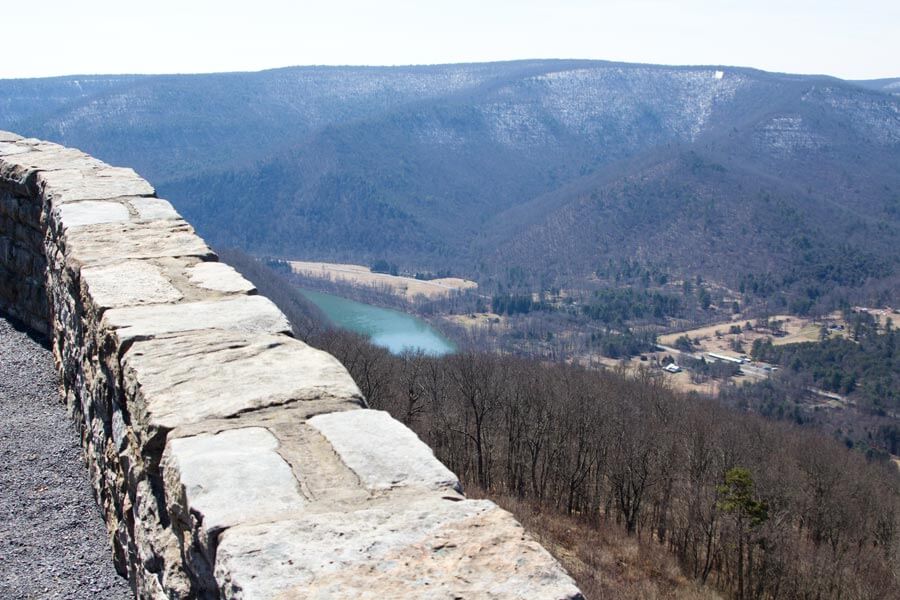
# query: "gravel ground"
{"type": "Point", "coordinates": [52, 537]}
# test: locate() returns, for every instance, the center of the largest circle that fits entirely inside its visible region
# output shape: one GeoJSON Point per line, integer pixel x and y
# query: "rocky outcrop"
{"type": "Point", "coordinates": [229, 459]}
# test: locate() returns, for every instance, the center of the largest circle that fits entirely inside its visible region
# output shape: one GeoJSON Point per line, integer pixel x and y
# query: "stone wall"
{"type": "Point", "coordinates": [22, 263]}
{"type": "Point", "coordinates": [229, 459]}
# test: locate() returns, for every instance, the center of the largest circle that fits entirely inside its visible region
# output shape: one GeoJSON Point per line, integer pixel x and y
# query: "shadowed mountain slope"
{"type": "Point", "coordinates": [560, 165]}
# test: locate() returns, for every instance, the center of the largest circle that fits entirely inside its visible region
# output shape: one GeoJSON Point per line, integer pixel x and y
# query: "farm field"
{"type": "Point", "coordinates": [407, 287]}
{"type": "Point", "coordinates": [720, 339]}
{"type": "Point", "coordinates": [681, 382]}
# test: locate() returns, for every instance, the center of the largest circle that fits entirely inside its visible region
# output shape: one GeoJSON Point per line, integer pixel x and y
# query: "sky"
{"type": "Point", "coordinates": [858, 39]}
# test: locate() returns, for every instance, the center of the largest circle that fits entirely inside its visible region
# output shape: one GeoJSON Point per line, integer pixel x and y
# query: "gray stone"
{"type": "Point", "coordinates": [382, 452]}
{"type": "Point", "coordinates": [247, 314]}
{"type": "Point", "coordinates": [101, 183]}
{"type": "Point", "coordinates": [9, 149]}
{"type": "Point", "coordinates": [90, 212]}
{"type": "Point", "coordinates": [50, 162]}
{"type": "Point", "coordinates": [154, 209]}
{"type": "Point", "coordinates": [219, 277]}
{"type": "Point", "coordinates": [128, 283]}
{"type": "Point", "coordinates": [111, 242]}
{"type": "Point", "coordinates": [9, 136]}
{"type": "Point", "coordinates": [232, 477]}
{"type": "Point", "coordinates": [214, 374]}
{"type": "Point", "coordinates": [426, 548]}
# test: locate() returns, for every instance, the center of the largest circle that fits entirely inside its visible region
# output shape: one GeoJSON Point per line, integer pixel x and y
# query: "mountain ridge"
{"type": "Point", "coordinates": [456, 166]}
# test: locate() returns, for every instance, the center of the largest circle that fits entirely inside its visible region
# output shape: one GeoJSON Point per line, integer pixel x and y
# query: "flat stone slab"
{"type": "Point", "coordinates": [431, 548]}
{"type": "Point", "coordinates": [382, 452]}
{"type": "Point", "coordinates": [10, 148]}
{"type": "Point", "coordinates": [236, 476]}
{"type": "Point", "coordinates": [117, 241]}
{"type": "Point", "coordinates": [101, 183]}
{"type": "Point", "coordinates": [219, 277]}
{"type": "Point", "coordinates": [154, 209]}
{"type": "Point", "coordinates": [127, 284]}
{"type": "Point", "coordinates": [216, 374]}
{"type": "Point", "coordinates": [92, 212]}
{"type": "Point", "coordinates": [9, 136]}
{"type": "Point", "coordinates": [246, 314]}
{"type": "Point", "coordinates": [24, 167]}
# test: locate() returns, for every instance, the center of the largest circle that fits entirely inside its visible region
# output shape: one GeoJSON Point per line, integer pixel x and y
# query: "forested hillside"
{"type": "Point", "coordinates": [785, 185]}
{"type": "Point", "coordinates": [640, 490]}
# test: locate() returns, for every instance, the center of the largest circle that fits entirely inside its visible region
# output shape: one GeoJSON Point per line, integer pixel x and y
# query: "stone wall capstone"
{"type": "Point", "coordinates": [229, 459]}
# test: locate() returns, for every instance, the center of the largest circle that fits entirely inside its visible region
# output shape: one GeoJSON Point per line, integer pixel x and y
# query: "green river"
{"type": "Point", "coordinates": [391, 329]}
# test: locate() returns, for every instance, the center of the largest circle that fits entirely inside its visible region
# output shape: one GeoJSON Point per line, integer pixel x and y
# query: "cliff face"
{"type": "Point", "coordinates": [230, 459]}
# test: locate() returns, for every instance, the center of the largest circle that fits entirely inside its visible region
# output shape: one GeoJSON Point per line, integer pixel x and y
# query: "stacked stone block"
{"type": "Point", "coordinates": [230, 460]}
{"type": "Point", "coordinates": [22, 263]}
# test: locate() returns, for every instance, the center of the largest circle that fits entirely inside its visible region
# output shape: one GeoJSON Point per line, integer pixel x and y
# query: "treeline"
{"type": "Point", "coordinates": [383, 266]}
{"type": "Point", "coordinates": [754, 508]}
{"type": "Point", "coordinates": [516, 304]}
{"type": "Point", "coordinates": [622, 344]}
{"type": "Point", "coordinates": [866, 366]}
{"type": "Point", "coordinates": [618, 305]}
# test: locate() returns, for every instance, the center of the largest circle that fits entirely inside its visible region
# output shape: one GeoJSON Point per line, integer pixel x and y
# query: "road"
{"type": "Point", "coordinates": [759, 370]}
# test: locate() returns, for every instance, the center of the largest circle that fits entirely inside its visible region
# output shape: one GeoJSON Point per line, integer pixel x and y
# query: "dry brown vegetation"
{"type": "Point", "coordinates": [743, 506]}
{"type": "Point", "coordinates": [605, 562]}
{"type": "Point", "coordinates": [719, 336]}
{"type": "Point", "coordinates": [408, 287]}
{"type": "Point", "coordinates": [641, 491]}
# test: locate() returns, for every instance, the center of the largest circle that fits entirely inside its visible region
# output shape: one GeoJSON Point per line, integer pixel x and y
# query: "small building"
{"type": "Point", "coordinates": [723, 358]}
{"type": "Point", "coordinates": [672, 368]}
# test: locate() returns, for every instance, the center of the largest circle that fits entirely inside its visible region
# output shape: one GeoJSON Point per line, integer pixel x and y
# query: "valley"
{"type": "Point", "coordinates": [619, 473]}
{"type": "Point", "coordinates": [654, 304]}
{"type": "Point", "coordinates": [628, 332]}
{"type": "Point", "coordinates": [525, 175]}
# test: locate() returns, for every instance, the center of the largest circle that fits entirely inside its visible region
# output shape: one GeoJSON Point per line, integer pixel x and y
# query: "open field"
{"type": "Point", "coordinates": [679, 381]}
{"type": "Point", "coordinates": [719, 339]}
{"type": "Point", "coordinates": [475, 320]}
{"type": "Point", "coordinates": [408, 287]}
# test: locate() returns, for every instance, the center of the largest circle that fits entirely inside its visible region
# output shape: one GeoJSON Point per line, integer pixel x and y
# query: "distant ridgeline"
{"type": "Point", "coordinates": [783, 186]}
{"type": "Point", "coordinates": [229, 459]}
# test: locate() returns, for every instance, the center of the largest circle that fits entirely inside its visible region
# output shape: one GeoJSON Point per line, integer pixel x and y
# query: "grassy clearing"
{"type": "Point", "coordinates": [408, 287]}
{"type": "Point", "coordinates": [718, 337]}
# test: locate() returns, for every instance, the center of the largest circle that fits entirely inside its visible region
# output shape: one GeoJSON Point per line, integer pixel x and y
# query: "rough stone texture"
{"type": "Point", "coordinates": [251, 314]}
{"type": "Point", "coordinates": [153, 209]}
{"type": "Point", "coordinates": [228, 459]}
{"type": "Point", "coordinates": [8, 136]}
{"type": "Point", "coordinates": [211, 467]}
{"type": "Point", "coordinates": [382, 452]}
{"type": "Point", "coordinates": [74, 182]}
{"type": "Point", "coordinates": [426, 548]}
{"type": "Point", "coordinates": [112, 242]}
{"type": "Point", "coordinates": [22, 261]}
{"type": "Point", "coordinates": [128, 283]}
{"type": "Point", "coordinates": [208, 374]}
{"type": "Point", "coordinates": [219, 276]}
{"type": "Point", "coordinates": [92, 212]}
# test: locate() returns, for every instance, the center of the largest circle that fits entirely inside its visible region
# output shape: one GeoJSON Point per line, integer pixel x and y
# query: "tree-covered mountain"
{"type": "Point", "coordinates": [559, 167]}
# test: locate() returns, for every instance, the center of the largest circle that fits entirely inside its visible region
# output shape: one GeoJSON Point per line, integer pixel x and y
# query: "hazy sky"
{"type": "Point", "coordinates": [851, 39]}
